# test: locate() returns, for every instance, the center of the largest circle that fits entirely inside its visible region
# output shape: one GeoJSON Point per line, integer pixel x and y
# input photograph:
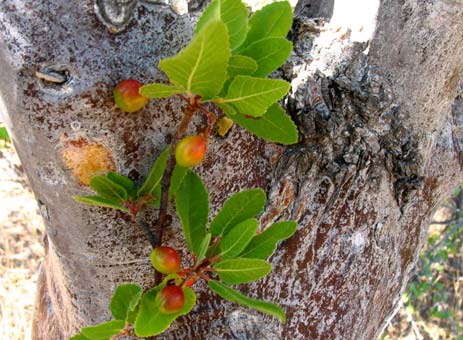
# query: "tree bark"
{"type": "Point", "coordinates": [378, 108]}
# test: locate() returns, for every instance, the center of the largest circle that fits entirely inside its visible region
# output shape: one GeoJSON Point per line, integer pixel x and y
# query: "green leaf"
{"type": "Point", "coordinates": [228, 109]}
{"type": "Point", "coordinates": [201, 67]}
{"type": "Point", "coordinates": [150, 321]}
{"type": "Point", "coordinates": [253, 96]}
{"type": "Point", "coordinates": [236, 209]}
{"type": "Point", "coordinates": [155, 91]}
{"type": "Point", "coordinates": [192, 203]}
{"type": "Point", "coordinates": [230, 294]}
{"type": "Point", "coordinates": [99, 202]}
{"type": "Point", "coordinates": [275, 125]}
{"type": "Point", "coordinates": [269, 53]}
{"type": "Point", "coordinates": [79, 337]}
{"type": "Point", "coordinates": [238, 238]}
{"type": "Point", "coordinates": [264, 244]}
{"type": "Point", "coordinates": [108, 189]}
{"type": "Point", "coordinates": [124, 182]}
{"type": "Point", "coordinates": [274, 20]}
{"type": "Point", "coordinates": [125, 299]}
{"type": "Point", "coordinates": [152, 185]}
{"type": "Point", "coordinates": [240, 270]}
{"type": "Point", "coordinates": [233, 13]}
{"type": "Point", "coordinates": [132, 315]}
{"type": "Point", "coordinates": [241, 65]}
{"type": "Point", "coordinates": [103, 331]}
{"type": "Point", "coordinates": [203, 249]}
{"type": "Point", "coordinates": [176, 180]}
{"type": "Point", "coordinates": [4, 136]}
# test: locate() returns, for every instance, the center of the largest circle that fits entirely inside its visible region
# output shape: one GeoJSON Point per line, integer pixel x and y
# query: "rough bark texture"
{"type": "Point", "coordinates": [376, 154]}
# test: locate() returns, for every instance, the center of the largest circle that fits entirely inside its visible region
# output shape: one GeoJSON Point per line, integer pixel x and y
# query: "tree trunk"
{"type": "Point", "coordinates": [376, 154]}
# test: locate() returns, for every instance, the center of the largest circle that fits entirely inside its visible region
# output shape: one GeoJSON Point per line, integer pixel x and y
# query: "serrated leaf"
{"type": "Point", "coordinates": [269, 53]}
{"type": "Point", "coordinates": [150, 321]}
{"type": "Point", "coordinates": [238, 238]}
{"type": "Point", "coordinates": [203, 248]}
{"type": "Point", "coordinates": [192, 204]}
{"type": "Point", "coordinates": [99, 202]}
{"type": "Point", "coordinates": [125, 299]}
{"type": "Point", "coordinates": [233, 295]}
{"type": "Point", "coordinates": [152, 185]}
{"type": "Point", "coordinates": [233, 13]}
{"type": "Point", "coordinates": [241, 270]}
{"type": "Point", "coordinates": [79, 337]}
{"type": "Point", "coordinates": [275, 125]}
{"type": "Point", "coordinates": [236, 209]}
{"type": "Point", "coordinates": [103, 331]}
{"type": "Point", "coordinates": [241, 65]}
{"type": "Point", "coordinates": [264, 244]}
{"type": "Point", "coordinates": [124, 182]}
{"type": "Point", "coordinates": [253, 96]}
{"type": "Point", "coordinates": [201, 67]}
{"type": "Point", "coordinates": [176, 180]}
{"type": "Point", "coordinates": [155, 91]}
{"type": "Point", "coordinates": [106, 188]}
{"type": "Point", "coordinates": [273, 20]}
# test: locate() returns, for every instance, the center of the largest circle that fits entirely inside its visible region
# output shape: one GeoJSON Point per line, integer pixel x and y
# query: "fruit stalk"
{"type": "Point", "coordinates": [188, 111]}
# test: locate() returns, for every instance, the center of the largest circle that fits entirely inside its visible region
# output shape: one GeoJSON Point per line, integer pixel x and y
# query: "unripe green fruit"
{"type": "Point", "coordinates": [165, 260]}
{"type": "Point", "coordinates": [172, 299]}
{"type": "Point", "coordinates": [190, 151]}
{"type": "Point", "coordinates": [127, 97]}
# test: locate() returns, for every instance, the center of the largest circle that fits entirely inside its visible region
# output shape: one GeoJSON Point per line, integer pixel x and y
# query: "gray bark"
{"type": "Point", "coordinates": [376, 155]}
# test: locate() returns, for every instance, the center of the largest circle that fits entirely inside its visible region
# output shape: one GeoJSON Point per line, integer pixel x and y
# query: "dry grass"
{"type": "Point", "coordinates": [20, 249]}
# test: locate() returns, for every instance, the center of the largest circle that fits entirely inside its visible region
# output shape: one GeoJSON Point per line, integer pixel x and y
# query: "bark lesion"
{"type": "Point", "coordinates": [349, 115]}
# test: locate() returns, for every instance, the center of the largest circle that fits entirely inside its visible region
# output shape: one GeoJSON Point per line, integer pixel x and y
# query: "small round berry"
{"type": "Point", "coordinates": [127, 97]}
{"type": "Point", "coordinates": [190, 151]}
{"type": "Point", "coordinates": [165, 260]}
{"type": "Point", "coordinates": [172, 299]}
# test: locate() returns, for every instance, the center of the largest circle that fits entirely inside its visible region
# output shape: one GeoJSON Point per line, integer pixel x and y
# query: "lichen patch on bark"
{"type": "Point", "coordinates": [87, 159]}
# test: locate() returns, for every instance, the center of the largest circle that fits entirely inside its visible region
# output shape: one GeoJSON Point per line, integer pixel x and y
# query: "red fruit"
{"type": "Point", "coordinates": [127, 97]}
{"type": "Point", "coordinates": [172, 299]}
{"type": "Point", "coordinates": [190, 151]}
{"type": "Point", "coordinates": [165, 260]}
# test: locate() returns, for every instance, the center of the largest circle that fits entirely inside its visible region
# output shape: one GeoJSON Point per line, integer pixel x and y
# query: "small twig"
{"type": "Point", "coordinates": [211, 118]}
{"type": "Point", "coordinates": [125, 331]}
{"type": "Point", "coordinates": [412, 322]}
{"type": "Point", "coordinates": [165, 183]}
{"type": "Point", "coordinates": [189, 111]}
{"type": "Point", "coordinates": [183, 97]}
{"type": "Point", "coordinates": [204, 277]}
{"type": "Point", "coordinates": [153, 240]}
{"type": "Point", "coordinates": [214, 247]}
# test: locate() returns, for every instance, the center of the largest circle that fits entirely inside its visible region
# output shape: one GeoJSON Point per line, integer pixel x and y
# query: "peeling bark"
{"type": "Point", "coordinates": [380, 120]}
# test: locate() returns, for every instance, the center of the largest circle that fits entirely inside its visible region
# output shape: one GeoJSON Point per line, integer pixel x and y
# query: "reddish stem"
{"type": "Point", "coordinates": [211, 118]}
{"type": "Point", "coordinates": [204, 277]}
{"type": "Point", "coordinates": [192, 107]}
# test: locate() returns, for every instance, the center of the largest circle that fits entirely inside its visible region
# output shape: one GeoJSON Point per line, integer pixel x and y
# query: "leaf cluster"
{"type": "Point", "coordinates": [227, 63]}
{"type": "Point", "coordinates": [116, 191]}
{"type": "Point", "coordinates": [230, 245]}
